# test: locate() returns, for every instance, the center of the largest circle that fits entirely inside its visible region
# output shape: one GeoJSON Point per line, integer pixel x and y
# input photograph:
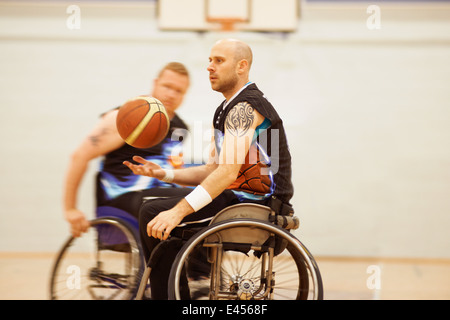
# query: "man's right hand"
{"type": "Point", "coordinates": [78, 222]}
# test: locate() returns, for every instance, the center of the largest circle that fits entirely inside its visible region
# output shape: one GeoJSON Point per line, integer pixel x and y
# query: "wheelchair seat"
{"type": "Point", "coordinates": [258, 212]}
{"type": "Point", "coordinates": [249, 211]}
{"type": "Point", "coordinates": [111, 237]}
{"type": "Point", "coordinates": [243, 211]}
{"type": "Point", "coordinates": [106, 211]}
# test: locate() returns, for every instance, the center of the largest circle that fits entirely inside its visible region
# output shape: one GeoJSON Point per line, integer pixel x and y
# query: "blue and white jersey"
{"type": "Point", "coordinates": [115, 179]}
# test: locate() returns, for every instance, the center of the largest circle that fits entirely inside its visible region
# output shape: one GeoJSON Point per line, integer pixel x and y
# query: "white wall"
{"type": "Point", "coordinates": [366, 111]}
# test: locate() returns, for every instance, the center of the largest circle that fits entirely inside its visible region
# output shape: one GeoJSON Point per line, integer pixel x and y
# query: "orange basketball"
{"type": "Point", "coordinates": [142, 122]}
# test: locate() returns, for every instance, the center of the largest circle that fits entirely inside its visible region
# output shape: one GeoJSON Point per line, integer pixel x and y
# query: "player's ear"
{"type": "Point", "coordinates": [242, 66]}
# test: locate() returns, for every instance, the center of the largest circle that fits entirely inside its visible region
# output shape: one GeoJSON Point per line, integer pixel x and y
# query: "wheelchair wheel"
{"type": "Point", "coordinates": [245, 260]}
{"type": "Point", "coordinates": [103, 264]}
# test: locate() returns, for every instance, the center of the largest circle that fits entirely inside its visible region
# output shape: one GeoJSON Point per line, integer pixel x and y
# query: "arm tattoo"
{"type": "Point", "coordinates": [240, 119]}
{"type": "Point", "coordinates": [95, 139]}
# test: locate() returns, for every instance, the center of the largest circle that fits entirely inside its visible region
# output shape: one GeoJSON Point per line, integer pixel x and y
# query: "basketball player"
{"type": "Point", "coordinates": [116, 185]}
{"type": "Point", "coordinates": [239, 168]}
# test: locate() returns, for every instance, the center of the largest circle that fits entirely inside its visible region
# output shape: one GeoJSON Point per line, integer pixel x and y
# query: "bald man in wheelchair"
{"type": "Point", "coordinates": [249, 160]}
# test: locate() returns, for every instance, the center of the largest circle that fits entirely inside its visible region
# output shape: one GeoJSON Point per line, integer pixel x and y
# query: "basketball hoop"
{"type": "Point", "coordinates": [226, 24]}
{"type": "Point", "coordinates": [227, 13]}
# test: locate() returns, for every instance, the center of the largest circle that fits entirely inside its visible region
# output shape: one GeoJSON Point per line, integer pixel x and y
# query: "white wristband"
{"type": "Point", "coordinates": [198, 198]}
{"type": "Point", "coordinates": [168, 177]}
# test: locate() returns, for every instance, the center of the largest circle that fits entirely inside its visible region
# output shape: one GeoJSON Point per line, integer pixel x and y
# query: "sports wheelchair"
{"type": "Point", "coordinates": [105, 263]}
{"type": "Point", "coordinates": [246, 253]}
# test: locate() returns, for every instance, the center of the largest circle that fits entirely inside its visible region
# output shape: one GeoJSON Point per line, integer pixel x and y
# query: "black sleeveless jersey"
{"type": "Point", "coordinates": [267, 170]}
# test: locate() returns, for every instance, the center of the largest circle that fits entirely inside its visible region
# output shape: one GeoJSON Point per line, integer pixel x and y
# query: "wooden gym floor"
{"type": "Point", "coordinates": [25, 276]}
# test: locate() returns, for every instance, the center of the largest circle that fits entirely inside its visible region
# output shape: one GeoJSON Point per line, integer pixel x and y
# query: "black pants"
{"type": "Point", "coordinates": [149, 210]}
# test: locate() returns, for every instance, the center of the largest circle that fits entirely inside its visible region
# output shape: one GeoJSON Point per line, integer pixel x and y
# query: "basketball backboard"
{"type": "Point", "coordinates": [228, 15]}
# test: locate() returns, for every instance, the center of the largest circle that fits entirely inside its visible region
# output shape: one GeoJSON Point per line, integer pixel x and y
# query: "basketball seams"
{"type": "Point", "coordinates": [125, 115]}
{"type": "Point", "coordinates": [246, 177]}
{"type": "Point", "coordinates": [134, 135]}
{"type": "Point", "coordinates": [160, 117]}
{"type": "Point", "coordinates": [154, 109]}
{"type": "Point", "coordinates": [160, 113]}
{"type": "Point", "coordinates": [143, 122]}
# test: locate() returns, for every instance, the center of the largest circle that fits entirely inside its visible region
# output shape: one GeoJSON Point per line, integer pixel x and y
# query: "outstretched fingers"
{"type": "Point", "coordinates": [140, 160]}
{"type": "Point", "coordinates": [139, 169]}
{"type": "Point", "coordinates": [143, 168]}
